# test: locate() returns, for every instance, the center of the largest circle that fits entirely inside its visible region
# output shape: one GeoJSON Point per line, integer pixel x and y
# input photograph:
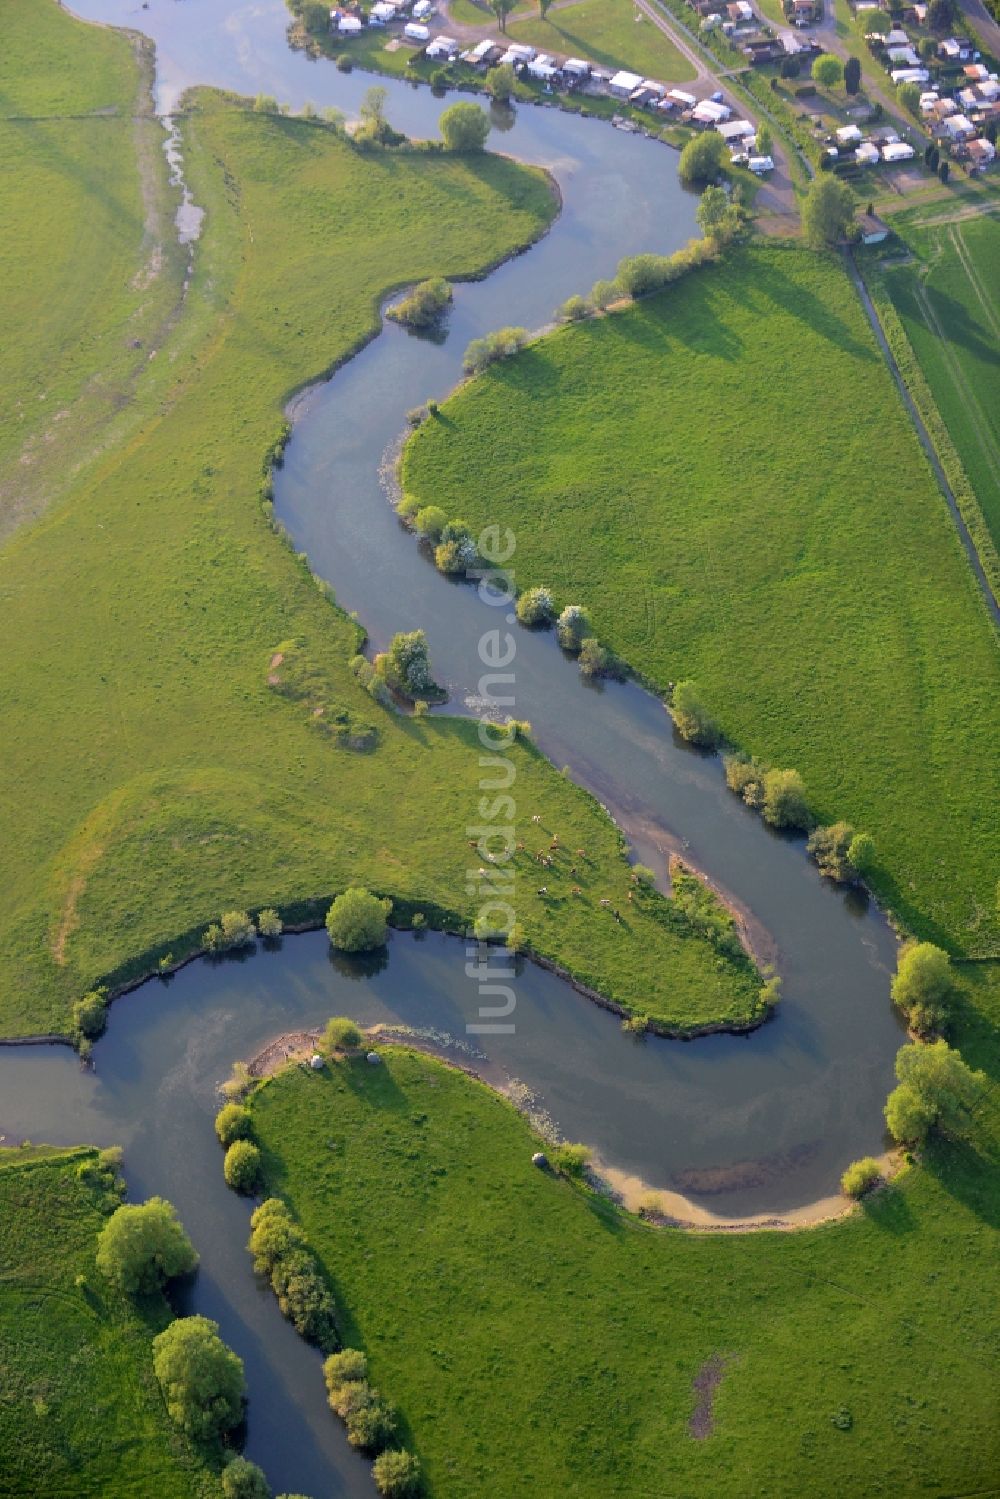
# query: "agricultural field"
{"type": "Point", "coordinates": [81, 1411]}
{"type": "Point", "coordinates": [948, 298]}
{"type": "Point", "coordinates": [153, 775]}
{"type": "Point", "coordinates": [539, 1341]}
{"type": "Point", "coordinates": [611, 33]}
{"type": "Point", "coordinates": [781, 541]}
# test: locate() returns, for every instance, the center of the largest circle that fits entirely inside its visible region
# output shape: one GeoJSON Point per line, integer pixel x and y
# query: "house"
{"type": "Point", "coordinates": [981, 153]}
{"type": "Point", "coordinates": [976, 72]}
{"type": "Point", "coordinates": [928, 101]}
{"type": "Point", "coordinates": [624, 83]}
{"type": "Point", "coordinates": [867, 154]}
{"type": "Point", "coordinates": [414, 32]}
{"type": "Point", "coordinates": [900, 151]}
{"type": "Point", "coordinates": [790, 43]}
{"type": "Point", "coordinates": [873, 230]}
{"type": "Point", "coordinates": [644, 97]}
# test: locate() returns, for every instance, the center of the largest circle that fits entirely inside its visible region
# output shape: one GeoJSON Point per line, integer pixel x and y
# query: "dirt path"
{"type": "Point", "coordinates": [983, 24]}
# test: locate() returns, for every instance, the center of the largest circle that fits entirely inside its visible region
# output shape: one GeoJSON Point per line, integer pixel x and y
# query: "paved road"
{"type": "Point", "coordinates": [983, 23]}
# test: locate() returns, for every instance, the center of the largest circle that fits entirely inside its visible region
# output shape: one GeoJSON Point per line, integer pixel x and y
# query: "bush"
{"type": "Point", "coordinates": [274, 1235]}
{"type": "Point", "coordinates": [370, 1421]}
{"type": "Point", "coordinates": [464, 127]}
{"type": "Point", "coordinates": [922, 986]}
{"type": "Point", "coordinates": [573, 310]}
{"type": "Point", "coordinates": [234, 930]}
{"type": "Point", "coordinates": [90, 1014]}
{"type": "Point", "coordinates": [536, 607]}
{"type": "Point", "coordinates": [349, 1366]}
{"type": "Point", "coordinates": [862, 853]}
{"type": "Point", "coordinates": [495, 346]}
{"type": "Point", "coordinates": [340, 1034]}
{"type": "Point", "coordinates": [596, 660]}
{"type": "Point", "coordinates": [270, 924]}
{"type": "Point", "coordinates": [603, 293]}
{"type": "Point", "coordinates": [232, 1123]}
{"type": "Point", "coordinates": [425, 305]}
{"type": "Point", "coordinates": [344, 63]}
{"type": "Point", "coordinates": [244, 1480]}
{"type": "Point", "coordinates": [784, 804]}
{"type": "Point", "coordinates": [356, 922]}
{"type": "Point", "coordinates": [241, 1167]}
{"type": "Point", "coordinates": [281, 1253]}
{"type": "Point", "coordinates": [570, 1159]}
{"type": "Point", "coordinates": [142, 1246]}
{"type": "Point", "coordinates": [635, 1025]}
{"type": "Point", "coordinates": [201, 1379]}
{"type": "Point", "coordinates": [693, 720]}
{"type": "Point", "coordinates": [831, 848]}
{"type": "Point", "coordinates": [573, 627]}
{"type": "Point", "coordinates": [430, 522]}
{"type": "Point", "coordinates": [702, 158]}
{"type": "Point", "coordinates": [860, 1176]}
{"type": "Point", "coordinates": [397, 1474]}
{"type": "Point", "coordinates": [746, 778]}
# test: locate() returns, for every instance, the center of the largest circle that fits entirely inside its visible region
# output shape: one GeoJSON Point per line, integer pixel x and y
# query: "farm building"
{"type": "Point", "coordinates": [873, 229]}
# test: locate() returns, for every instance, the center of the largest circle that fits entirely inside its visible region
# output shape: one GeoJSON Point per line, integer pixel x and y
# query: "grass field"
{"type": "Point", "coordinates": [539, 1342]}
{"type": "Point", "coordinates": [87, 209]}
{"type": "Point", "coordinates": [152, 776]}
{"type": "Point", "coordinates": [778, 537]}
{"type": "Point", "coordinates": [949, 303]}
{"type": "Point", "coordinates": [610, 32]}
{"type": "Point", "coordinates": [81, 1412]}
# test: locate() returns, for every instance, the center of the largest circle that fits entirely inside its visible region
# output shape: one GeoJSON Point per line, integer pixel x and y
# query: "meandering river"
{"type": "Point", "coordinates": [742, 1125]}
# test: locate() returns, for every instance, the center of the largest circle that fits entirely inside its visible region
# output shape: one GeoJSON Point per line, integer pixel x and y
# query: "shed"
{"type": "Point", "coordinates": [622, 84]}
{"type": "Point", "coordinates": [873, 229]}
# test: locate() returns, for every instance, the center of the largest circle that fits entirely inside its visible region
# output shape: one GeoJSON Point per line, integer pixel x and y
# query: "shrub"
{"type": "Point", "coordinates": [572, 310]}
{"type": "Point", "coordinates": [356, 922]}
{"type": "Point", "coordinates": [425, 305]}
{"type": "Point", "coordinates": [746, 778]}
{"type": "Point", "coordinates": [234, 930]}
{"type": "Point", "coordinates": [922, 986]}
{"type": "Point", "coordinates": [827, 70]}
{"type": "Point", "coordinates": [269, 924]}
{"type": "Point", "coordinates": [241, 1167]}
{"type": "Point", "coordinates": [603, 293]}
{"type": "Point", "coordinates": [830, 847]}
{"type": "Point", "coordinates": [495, 346]}
{"type": "Point", "coordinates": [702, 158]}
{"type": "Point", "coordinates": [274, 1235]}
{"type": "Point", "coordinates": [635, 1025]}
{"type": "Point", "coordinates": [693, 720]}
{"type": "Point", "coordinates": [349, 1366]}
{"type": "Point", "coordinates": [344, 63]}
{"type": "Point", "coordinates": [862, 853]}
{"type": "Point", "coordinates": [573, 627]}
{"type": "Point", "coordinates": [370, 1422]}
{"type": "Point", "coordinates": [397, 1474]}
{"type": "Point", "coordinates": [596, 660]}
{"type": "Point", "coordinates": [281, 1253]}
{"type": "Point", "coordinates": [784, 804]}
{"type": "Point", "coordinates": [570, 1159]}
{"type": "Point", "coordinates": [536, 607]}
{"type": "Point", "coordinates": [239, 1084]}
{"type": "Point", "coordinates": [464, 127]}
{"type": "Point", "coordinates": [90, 1014]}
{"type": "Point", "coordinates": [142, 1246]}
{"type": "Point", "coordinates": [860, 1176]}
{"type": "Point", "coordinates": [340, 1034]}
{"type": "Point", "coordinates": [430, 522]}
{"type": "Point", "coordinates": [201, 1379]}
{"type": "Point", "coordinates": [232, 1123]}
{"type": "Point", "coordinates": [407, 664]}
{"type": "Point", "coordinates": [244, 1480]}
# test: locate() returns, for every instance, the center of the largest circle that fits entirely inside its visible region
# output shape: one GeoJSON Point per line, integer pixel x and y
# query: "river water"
{"type": "Point", "coordinates": [741, 1125]}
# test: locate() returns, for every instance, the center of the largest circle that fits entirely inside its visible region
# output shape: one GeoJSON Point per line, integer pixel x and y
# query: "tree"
{"type": "Point", "coordinates": [315, 17]}
{"type": "Point", "coordinates": [923, 986]}
{"type": "Point", "coordinates": [543, 8]}
{"type": "Point", "coordinates": [430, 521]}
{"type": "Point", "coordinates": [372, 109]}
{"type": "Point", "coordinates": [936, 1088]}
{"type": "Point", "coordinates": [827, 71]}
{"type": "Point", "coordinates": [831, 847]}
{"type": "Point", "coordinates": [241, 1167]}
{"type": "Point", "coordinates": [908, 97]}
{"type": "Point", "coordinates": [944, 171]}
{"type": "Point", "coordinates": [90, 1014]}
{"type": "Point", "coordinates": [242, 1479]}
{"type": "Point", "coordinates": [397, 1474]}
{"type": "Point", "coordinates": [340, 1034]}
{"type": "Point", "coordinates": [201, 1379]}
{"type": "Point", "coordinates": [702, 158]}
{"type": "Point", "coordinates": [502, 9]}
{"type": "Point", "coordinates": [790, 67]}
{"type": "Point", "coordinates": [572, 627]}
{"type": "Point", "coordinates": [143, 1245]}
{"type": "Point", "coordinates": [234, 929]}
{"type": "Point", "coordinates": [603, 293]}
{"type": "Point", "coordinates": [875, 22]}
{"type": "Point", "coordinates": [941, 16]}
{"type": "Point", "coordinates": [693, 720]}
{"type": "Point", "coordinates": [860, 1176]}
{"type": "Point", "coordinates": [500, 82]}
{"type": "Point", "coordinates": [425, 306]}
{"type": "Point", "coordinates": [356, 921]}
{"type": "Point", "coordinates": [573, 310]}
{"type": "Point", "coordinates": [828, 211]}
{"type": "Point", "coordinates": [269, 923]}
{"type": "Point", "coordinates": [765, 140]}
{"type": "Point", "coordinates": [862, 853]}
{"type": "Point", "coordinates": [535, 607]}
{"type": "Point", "coordinates": [719, 217]}
{"type": "Point", "coordinates": [785, 803]}
{"type": "Point", "coordinates": [464, 127]}
{"type": "Point", "coordinates": [232, 1122]}
{"type": "Point", "coordinates": [852, 75]}
{"type": "Point", "coordinates": [407, 664]}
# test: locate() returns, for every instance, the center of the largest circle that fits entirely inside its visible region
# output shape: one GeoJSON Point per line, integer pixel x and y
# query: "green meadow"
{"type": "Point", "coordinates": [81, 1412]}
{"type": "Point", "coordinates": [948, 299]}
{"type": "Point", "coordinates": [154, 776]}
{"type": "Point", "coordinates": [612, 33]}
{"type": "Point", "coordinates": [725, 476]}
{"type": "Point", "coordinates": [538, 1341]}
